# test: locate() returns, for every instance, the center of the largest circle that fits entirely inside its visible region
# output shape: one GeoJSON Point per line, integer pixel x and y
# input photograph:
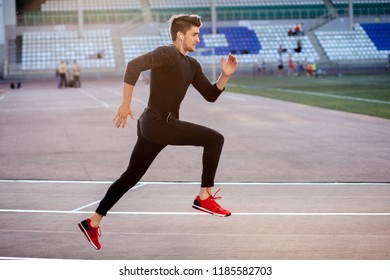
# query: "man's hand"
{"type": "Point", "coordinates": [229, 66]}
{"type": "Point", "coordinates": [121, 116]}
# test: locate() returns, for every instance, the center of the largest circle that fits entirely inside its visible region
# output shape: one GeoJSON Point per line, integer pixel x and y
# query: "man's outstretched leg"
{"type": "Point", "coordinates": [141, 158]}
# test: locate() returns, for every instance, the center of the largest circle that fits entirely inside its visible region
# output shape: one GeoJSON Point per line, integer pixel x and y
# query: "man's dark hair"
{"type": "Point", "coordinates": [183, 23]}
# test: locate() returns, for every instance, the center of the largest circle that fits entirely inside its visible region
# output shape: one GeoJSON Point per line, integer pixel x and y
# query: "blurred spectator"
{"type": "Point", "coordinates": [309, 69]}
{"type": "Point", "coordinates": [290, 66]}
{"type": "Point", "coordinates": [100, 54]}
{"type": "Point", "coordinates": [261, 66]}
{"type": "Point", "coordinates": [69, 74]}
{"type": "Point", "coordinates": [297, 29]}
{"type": "Point", "coordinates": [298, 49]}
{"type": "Point", "coordinates": [280, 66]}
{"type": "Point", "coordinates": [312, 69]}
{"type": "Point", "coordinates": [301, 69]}
{"type": "Point", "coordinates": [388, 62]}
{"type": "Point", "coordinates": [76, 74]}
{"type": "Point", "coordinates": [281, 50]}
{"type": "Point", "coordinates": [16, 85]}
{"type": "Point", "coordinates": [61, 70]}
{"type": "Point", "coordinates": [302, 32]}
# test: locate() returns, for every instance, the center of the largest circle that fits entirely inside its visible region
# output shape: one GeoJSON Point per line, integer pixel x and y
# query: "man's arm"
{"type": "Point", "coordinates": [228, 69]}
{"type": "Point", "coordinates": [210, 91]}
{"type": "Point", "coordinates": [124, 109]}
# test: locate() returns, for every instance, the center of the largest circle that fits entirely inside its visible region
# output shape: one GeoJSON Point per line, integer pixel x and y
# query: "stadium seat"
{"type": "Point", "coordinates": [379, 33]}
{"type": "Point", "coordinates": [94, 5]}
{"type": "Point", "coordinates": [349, 45]}
{"type": "Point", "coordinates": [44, 50]}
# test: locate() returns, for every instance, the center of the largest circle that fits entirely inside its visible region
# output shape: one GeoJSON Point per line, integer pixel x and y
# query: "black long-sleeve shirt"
{"type": "Point", "coordinates": [171, 75]}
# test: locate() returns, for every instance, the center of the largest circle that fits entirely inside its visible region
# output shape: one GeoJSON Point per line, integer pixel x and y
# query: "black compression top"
{"type": "Point", "coordinates": [171, 75]}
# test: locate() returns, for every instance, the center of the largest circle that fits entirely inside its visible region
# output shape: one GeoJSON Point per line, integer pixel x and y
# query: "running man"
{"type": "Point", "coordinates": [172, 72]}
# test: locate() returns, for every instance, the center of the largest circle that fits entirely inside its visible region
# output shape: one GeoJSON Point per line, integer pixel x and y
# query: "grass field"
{"type": "Point", "coordinates": [363, 94]}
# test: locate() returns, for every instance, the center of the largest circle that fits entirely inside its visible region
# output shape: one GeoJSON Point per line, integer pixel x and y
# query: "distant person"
{"type": "Point", "coordinates": [16, 85]}
{"type": "Point", "coordinates": [281, 50]}
{"type": "Point", "coordinates": [100, 54]}
{"type": "Point", "coordinates": [297, 29]}
{"type": "Point", "coordinates": [76, 74]}
{"type": "Point", "coordinates": [280, 66]}
{"type": "Point", "coordinates": [69, 74]}
{"type": "Point", "coordinates": [61, 69]}
{"type": "Point", "coordinates": [301, 69]}
{"type": "Point", "coordinates": [298, 49]}
{"type": "Point", "coordinates": [290, 66]}
{"type": "Point", "coordinates": [302, 30]}
{"type": "Point", "coordinates": [261, 66]}
{"type": "Point", "coordinates": [309, 69]}
{"type": "Point", "coordinates": [314, 69]}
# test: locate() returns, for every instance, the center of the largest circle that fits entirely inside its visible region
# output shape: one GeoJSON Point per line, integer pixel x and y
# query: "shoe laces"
{"type": "Point", "coordinates": [215, 197]}
{"type": "Point", "coordinates": [97, 231]}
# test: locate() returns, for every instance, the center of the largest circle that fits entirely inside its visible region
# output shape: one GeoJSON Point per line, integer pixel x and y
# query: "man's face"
{"type": "Point", "coordinates": [191, 38]}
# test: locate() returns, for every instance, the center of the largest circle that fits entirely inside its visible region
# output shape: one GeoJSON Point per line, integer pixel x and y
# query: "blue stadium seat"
{"type": "Point", "coordinates": [379, 34]}
{"type": "Point", "coordinates": [241, 40]}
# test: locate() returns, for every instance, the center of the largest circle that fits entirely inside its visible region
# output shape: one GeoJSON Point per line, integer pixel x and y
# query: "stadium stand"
{"type": "Point", "coordinates": [44, 50]}
{"type": "Point", "coordinates": [95, 5]}
{"type": "Point", "coordinates": [272, 36]}
{"type": "Point", "coordinates": [363, 7]}
{"type": "Point", "coordinates": [247, 43]}
{"type": "Point", "coordinates": [349, 45]}
{"type": "Point", "coordinates": [239, 40]}
{"type": "Point", "coordinates": [95, 11]}
{"type": "Point", "coordinates": [238, 32]}
{"type": "Point", "coordinates": [241, 9]}
{"type": "Point", "coordinates": [138, 45]}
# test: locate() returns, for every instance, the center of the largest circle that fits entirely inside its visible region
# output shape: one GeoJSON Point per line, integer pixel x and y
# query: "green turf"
{"type": "Point", "coordinates": [363, 94]}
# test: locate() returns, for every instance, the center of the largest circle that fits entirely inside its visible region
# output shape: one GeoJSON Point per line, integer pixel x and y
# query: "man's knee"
{"type": "Point", "coordinates": [218, 139]}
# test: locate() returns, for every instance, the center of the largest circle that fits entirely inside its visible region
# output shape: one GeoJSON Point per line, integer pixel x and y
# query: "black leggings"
{"type": "Point", "coordinates": [163, 132]}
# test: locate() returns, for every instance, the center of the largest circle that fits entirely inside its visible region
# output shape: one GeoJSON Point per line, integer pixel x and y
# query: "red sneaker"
{"type": "Point", "coordinates": [91, 233]}
{"type": "Point", "coordinates": [209, 205]}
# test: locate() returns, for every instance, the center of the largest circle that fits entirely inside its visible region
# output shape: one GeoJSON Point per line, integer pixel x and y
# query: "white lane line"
{"type": "Point", "coordinates": [85, 206]}
{"type": "Point", "coordinates": [139, 185]}
{"type": "Point", "coordinates": [54, 181]}
{"type": "Point", "coordinates": [35, 258]}
{"type": "Point", "coordinates": [333, 96]}
{"type": "Point", "coordinates": [189, 213]}
{"type": "Point", "coordinates": [198, 183]}
{"type": "Point", "coordinates": [94, 98]}
{"type": "Point", "coordinates": [318, 94]}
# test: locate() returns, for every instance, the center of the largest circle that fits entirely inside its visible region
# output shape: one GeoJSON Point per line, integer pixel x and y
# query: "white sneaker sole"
{"type": "Point", "coordinates": [208, 211]}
